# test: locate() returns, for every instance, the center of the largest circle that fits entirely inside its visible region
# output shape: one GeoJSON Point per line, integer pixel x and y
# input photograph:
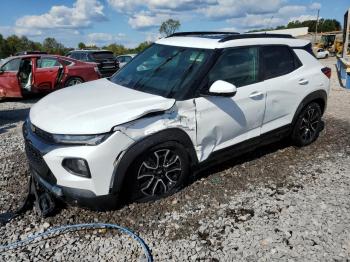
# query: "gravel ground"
{"type": "Point", "coordinates": [278, 203]}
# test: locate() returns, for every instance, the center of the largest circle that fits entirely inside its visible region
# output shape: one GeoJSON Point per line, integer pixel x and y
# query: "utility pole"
{"type": "Point", "coordinates": [346, 33]}
{"type": "Point", "coordinates": [268, 26]}
{"type": "Point", "coordinates": [318, 14]}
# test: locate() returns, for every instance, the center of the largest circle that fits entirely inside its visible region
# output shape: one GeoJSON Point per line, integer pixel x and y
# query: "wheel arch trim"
{"type": "Point", "coordinates": [70, 77]}
{"type": "Point", "coordinates": [319, 95]}
{"type": "Point", "coordinates": [128, 156]}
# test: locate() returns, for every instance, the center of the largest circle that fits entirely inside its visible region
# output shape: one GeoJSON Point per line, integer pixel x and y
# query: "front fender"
{"type": "Point", "coordinates": [128, 157]}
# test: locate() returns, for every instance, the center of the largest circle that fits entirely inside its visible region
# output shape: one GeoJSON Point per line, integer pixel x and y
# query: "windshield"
{"type": "Point", "coordinates": [163, 70]}
{"type": "Point", "coordinates": [3, 61]}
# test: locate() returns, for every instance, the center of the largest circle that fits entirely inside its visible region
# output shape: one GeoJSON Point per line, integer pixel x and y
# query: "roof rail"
{"type": "Point", "coordinates": [256, 35]}
{"type": "Point", "coordinates": [203, 33]}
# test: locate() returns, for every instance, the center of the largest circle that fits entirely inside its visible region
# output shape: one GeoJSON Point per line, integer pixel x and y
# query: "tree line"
{"type": "Point", "coordinates": [13, 44]}
{"type": "Point", "coordinates": [323, 26]}
{"type": "Point", "coordinates": [118, 49]}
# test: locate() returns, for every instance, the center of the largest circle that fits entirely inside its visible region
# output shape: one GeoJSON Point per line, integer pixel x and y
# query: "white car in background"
{"type": "Point", "coordinates": [321, 53]}
{"type": "Point", "coordinates": [188, 99]}
{"type": "Point", "coordinates": [124, 59]}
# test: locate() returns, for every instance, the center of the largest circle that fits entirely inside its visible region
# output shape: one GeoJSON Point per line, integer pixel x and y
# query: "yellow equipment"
{"type": "Point", "coordinates": [333, 42]}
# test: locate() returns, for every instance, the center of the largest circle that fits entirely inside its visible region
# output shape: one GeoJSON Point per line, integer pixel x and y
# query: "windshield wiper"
{"type": "Point", "coordinates": [156, 70]}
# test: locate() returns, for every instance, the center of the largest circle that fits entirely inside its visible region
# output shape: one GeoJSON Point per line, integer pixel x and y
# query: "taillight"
{"type": "Point", "coordinates": [327, 71]}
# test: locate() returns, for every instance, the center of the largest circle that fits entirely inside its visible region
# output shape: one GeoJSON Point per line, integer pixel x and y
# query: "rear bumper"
{"type": "Point", "coordinates": [107, 73]}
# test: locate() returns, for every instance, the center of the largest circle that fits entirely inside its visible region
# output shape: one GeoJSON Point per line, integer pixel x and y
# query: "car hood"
{"type": "Point", "coordinates": [94, 107]}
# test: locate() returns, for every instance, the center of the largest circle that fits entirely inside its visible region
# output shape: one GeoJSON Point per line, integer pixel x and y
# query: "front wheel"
{"type": "Point", "coordinates": [308, 125]}
{"type": "Point", "coordinates": [158, 172]}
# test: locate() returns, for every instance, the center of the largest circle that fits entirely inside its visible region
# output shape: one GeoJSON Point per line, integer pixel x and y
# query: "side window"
{"type": "Point", "coordinates": [47, 62]}
{"type": "Point", "coordinates": [84, 57]}
{"type": "Point", "coordinates": [278, 61]}
{"type": "Point", "coordinates": [75, 56]}
{"type": "Point", "coordinates": [127, 59]}
{"type": "Point", "coordinates": [239, 66]}
{"type": "Point", "coordinates": [121, 59]}
{"type": "Point", "coordinates": [12, 65]}
{"type": "Point", "coordinates": [66, 62]}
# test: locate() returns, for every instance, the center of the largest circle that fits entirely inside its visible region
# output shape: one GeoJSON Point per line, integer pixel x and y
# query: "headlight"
{"type": "Point", "coordinates": [91, 140]}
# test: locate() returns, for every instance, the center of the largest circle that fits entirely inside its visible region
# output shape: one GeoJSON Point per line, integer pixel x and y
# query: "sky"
{"type": "Point", "coordinates": [130, 22]}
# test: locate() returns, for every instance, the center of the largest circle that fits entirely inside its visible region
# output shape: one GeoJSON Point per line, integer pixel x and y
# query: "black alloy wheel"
{"type": "Point", "coordinates": [160, 171]}
{"type": "Point", "coordinates": [308, 125]}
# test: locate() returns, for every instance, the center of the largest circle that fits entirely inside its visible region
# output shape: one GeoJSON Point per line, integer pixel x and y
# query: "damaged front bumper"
{"type": "Point", "coordinates": [45, 161]}
{"type": "Point", "coordinates": [77, 197]}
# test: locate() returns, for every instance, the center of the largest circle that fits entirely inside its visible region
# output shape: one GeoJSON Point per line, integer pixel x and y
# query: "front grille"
{"type": "Point", "coordinates": [37, 162]}
{"type": "Point", "coordinates": [35, 158]}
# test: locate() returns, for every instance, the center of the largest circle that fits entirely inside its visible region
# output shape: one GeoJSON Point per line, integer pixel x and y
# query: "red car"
{"type": "Point", "coordinates": [40, 73]}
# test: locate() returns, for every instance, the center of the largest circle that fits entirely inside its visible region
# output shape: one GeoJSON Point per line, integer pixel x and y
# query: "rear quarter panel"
{"type": "Point", "coordinates": [85, 72]}
{"type": "Point", "coordinates": [311, 70]}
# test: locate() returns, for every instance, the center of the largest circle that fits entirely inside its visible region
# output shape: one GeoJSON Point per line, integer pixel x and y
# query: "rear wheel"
{"type": "Point", "coordinates": [73, 81]}
{"type": "Point", "coordinates": [158, 172]}
{"type": "Point", "coordinates": [308, 125]}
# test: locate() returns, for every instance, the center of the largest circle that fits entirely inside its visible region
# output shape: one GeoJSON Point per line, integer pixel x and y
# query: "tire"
{"type": "Point", "coordinates": [308, 125]}
{"type": "Point", "coordinates": [326, 56]}
{"type": "Point", "coordinates": [158, 172]}
{"type": "Point", "coordinates": [73, 81]}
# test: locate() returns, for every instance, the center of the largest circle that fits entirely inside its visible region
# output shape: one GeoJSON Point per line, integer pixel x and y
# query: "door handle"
{"type": "Point", "coordinates": [256, 95]}
{"type": "Point", "coordinates": [303, 81]}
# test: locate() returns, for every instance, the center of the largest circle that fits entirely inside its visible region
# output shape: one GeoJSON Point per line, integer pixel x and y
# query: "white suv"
{"type": "Point", "coordinates": [187, 99]}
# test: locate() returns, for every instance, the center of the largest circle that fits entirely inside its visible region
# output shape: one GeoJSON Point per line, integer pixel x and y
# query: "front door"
{"type": "Point", "coordinates": [226, 121]}
{"type": "Point", "coordinates": [9, 82]}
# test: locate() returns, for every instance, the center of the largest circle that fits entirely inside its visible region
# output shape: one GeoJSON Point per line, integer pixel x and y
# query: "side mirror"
{"type": "Point", "coordinates": [2, 71]}
{"type": "Point", "coordinates": [222, 88]}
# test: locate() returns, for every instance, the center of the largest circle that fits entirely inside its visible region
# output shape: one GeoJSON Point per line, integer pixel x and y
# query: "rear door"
{"type": "Point", "coordinates": [285, 81]}
{"type": "Point", "coordinates": [46, 73]}
{"type": "Point", "coordinates": [9, 83]}
{"type": "Point", "coordinates": [226, 121]}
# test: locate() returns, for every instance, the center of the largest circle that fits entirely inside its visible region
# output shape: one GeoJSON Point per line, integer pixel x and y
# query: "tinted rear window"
{"type": "Point", "coordinates": [278, 61]}
{"type": "Point", "coordinates": [102, 55]}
